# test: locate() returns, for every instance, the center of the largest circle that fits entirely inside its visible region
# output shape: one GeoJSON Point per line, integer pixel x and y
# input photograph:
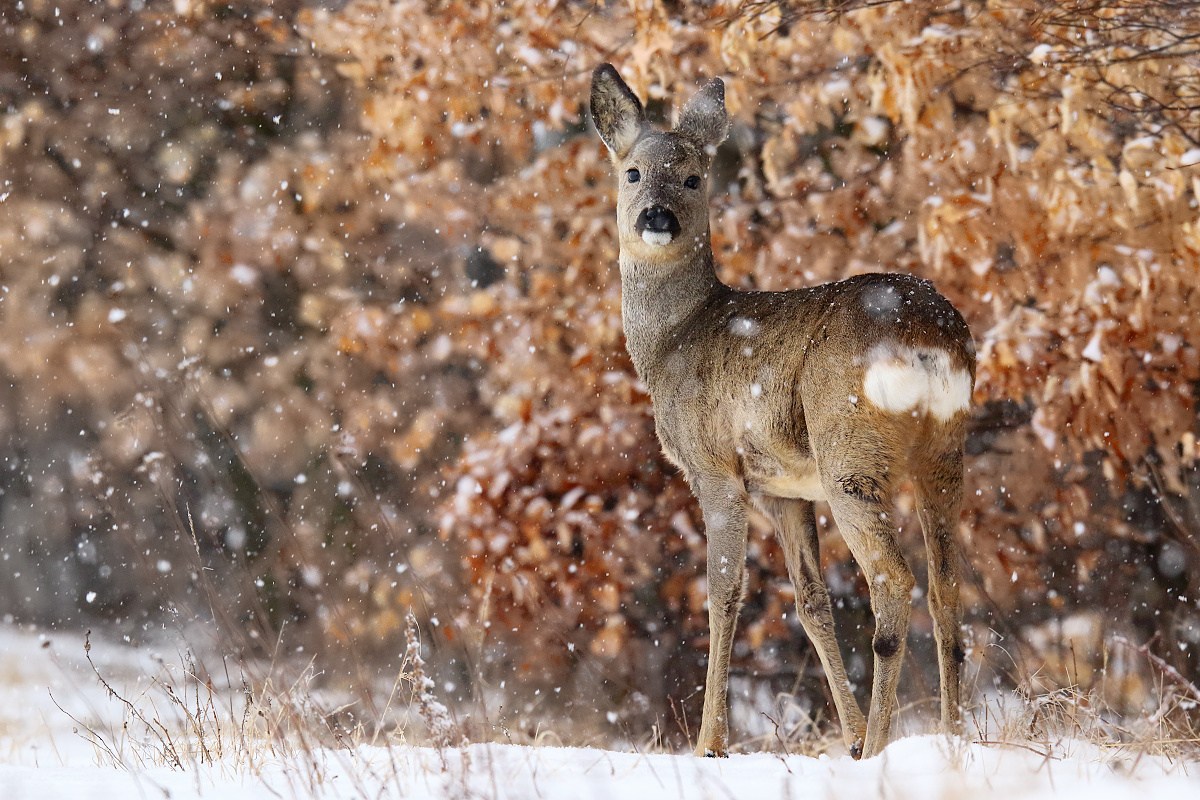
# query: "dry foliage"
{"type": "Point", "coordinates": [330, 294]}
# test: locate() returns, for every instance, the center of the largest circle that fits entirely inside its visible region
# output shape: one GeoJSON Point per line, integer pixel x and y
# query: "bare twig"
{"type": "Point", "coordinates": [168, 746]}
{"type": "Point", "coordinates": [1169, 672]}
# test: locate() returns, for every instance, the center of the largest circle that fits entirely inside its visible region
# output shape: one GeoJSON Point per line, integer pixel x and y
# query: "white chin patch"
{"type": "Point", "coordinates": [657, 238]}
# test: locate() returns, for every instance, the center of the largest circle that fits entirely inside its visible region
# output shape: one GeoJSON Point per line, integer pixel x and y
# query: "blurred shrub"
{"type": "Point", "coordinates": [982, 146]}
{"type": "Point", "coordinates": [313, 308]}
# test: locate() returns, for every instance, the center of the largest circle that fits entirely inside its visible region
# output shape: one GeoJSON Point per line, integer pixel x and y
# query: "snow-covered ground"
{"type": "Point", "coordinates": [923, 766]}
{"type": "Point", "coordinates": [43, 756]}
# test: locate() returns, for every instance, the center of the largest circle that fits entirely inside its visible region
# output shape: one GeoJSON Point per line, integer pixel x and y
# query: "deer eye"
{"type": "Point", "coordinates": [633, 176]}
{"type": "Point", "coordinates": [693, 182]}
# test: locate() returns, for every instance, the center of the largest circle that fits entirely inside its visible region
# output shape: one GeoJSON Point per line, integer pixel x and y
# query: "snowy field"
{"type": "Point", "coordinates": [47, 690]}
{"type": "Point", "coordinates": [925, 767]}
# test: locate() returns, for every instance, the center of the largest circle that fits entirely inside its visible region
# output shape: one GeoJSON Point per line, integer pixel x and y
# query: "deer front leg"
{"type": "Point", "coordinates": [724, 507]}
{"type": "Point", "coordinates": [796, 529]}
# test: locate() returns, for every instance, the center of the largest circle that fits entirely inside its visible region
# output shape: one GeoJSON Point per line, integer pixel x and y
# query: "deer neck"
{"type": "Point", "coordinates": [659, 297]}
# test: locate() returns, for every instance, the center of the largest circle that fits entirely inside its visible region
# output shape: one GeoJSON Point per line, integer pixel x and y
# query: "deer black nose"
{"type": "Point", "coordinates": [658, 219]}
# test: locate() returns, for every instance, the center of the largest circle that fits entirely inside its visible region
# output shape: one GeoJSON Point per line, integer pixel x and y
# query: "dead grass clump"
{"type": "Point", "coordinates": [185, 717]}
{"type": "Point", "coordinates": [1128, 709]}
{"type": "Point", "coordinates": [438, 721]}
{"type": "Point", "coordinates": [247, 718]}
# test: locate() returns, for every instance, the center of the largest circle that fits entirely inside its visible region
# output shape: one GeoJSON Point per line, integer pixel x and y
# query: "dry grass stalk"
{"type": "Point", "coordinates": [437, 718]}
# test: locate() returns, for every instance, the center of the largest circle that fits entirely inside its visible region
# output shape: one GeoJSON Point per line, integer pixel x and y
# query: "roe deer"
{"type": "Point", "coordinates": [779, 399]}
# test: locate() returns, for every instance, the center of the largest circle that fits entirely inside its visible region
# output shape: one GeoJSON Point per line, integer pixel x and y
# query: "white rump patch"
{"type": "Point", "coordinates": [657, 238]}
{"type": "Point", "coordinates": [904, 379]}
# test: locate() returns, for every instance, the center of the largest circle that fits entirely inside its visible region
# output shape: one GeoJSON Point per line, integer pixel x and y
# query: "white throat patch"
{"type": "Point", "coordinates": [657, 238]}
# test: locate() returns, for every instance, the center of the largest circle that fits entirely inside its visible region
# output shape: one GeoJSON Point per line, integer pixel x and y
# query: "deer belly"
{"type": "Point", "coordinates": [803, 484]}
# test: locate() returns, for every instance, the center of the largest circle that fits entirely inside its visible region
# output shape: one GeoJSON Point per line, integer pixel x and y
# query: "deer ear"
{"type": "Point", "coordinates": [617, 112]}
{"type": "Point", "coordinates": [703, 119]}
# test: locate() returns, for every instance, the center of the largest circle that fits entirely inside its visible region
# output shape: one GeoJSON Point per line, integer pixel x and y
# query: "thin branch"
{"type": "Point", "coordinates": [1169, 672]}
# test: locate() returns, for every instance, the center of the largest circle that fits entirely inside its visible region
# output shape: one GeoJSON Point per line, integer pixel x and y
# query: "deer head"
{"type": "Point", "coordinates": [662, 199]}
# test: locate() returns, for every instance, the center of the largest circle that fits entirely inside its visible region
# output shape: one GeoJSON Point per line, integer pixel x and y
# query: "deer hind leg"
{"type": "Point", "coordinates": [859, 479]}
{"type": "Point", "coordinates": [796, 529]}
{"type": "Point", "coordinates": [939, 485]}
{"type": "Point", "coordinates": [724, 506]}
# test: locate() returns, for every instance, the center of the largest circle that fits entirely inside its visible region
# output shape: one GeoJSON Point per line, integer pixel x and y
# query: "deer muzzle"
{"type": "Point", "coordinates": [657, 225]}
